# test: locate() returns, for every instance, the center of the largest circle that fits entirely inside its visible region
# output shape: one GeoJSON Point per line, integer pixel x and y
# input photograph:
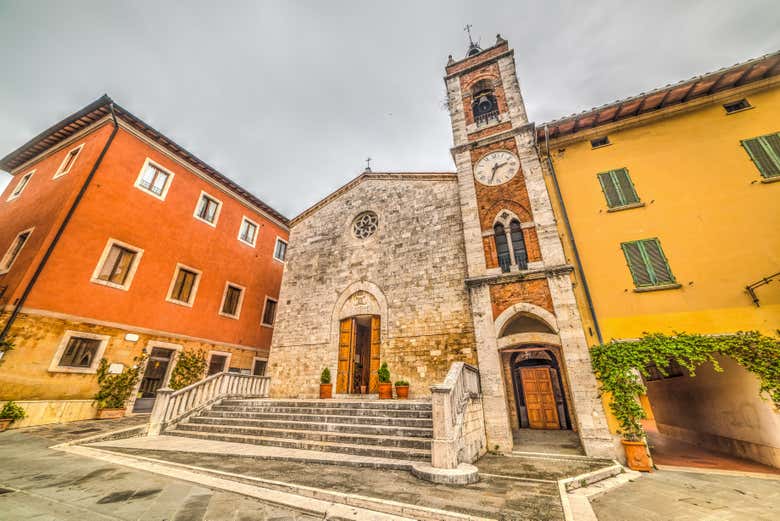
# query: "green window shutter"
{"type": "Point", "coordinates": [765, 153]}
{"type": "Point", "coordinates": [661, 272]}
{"type": "Point", "coordinates": [625, 186]}
{"type": "Point", "coordinates": [647, 263]}
{"type": "Point", "coordinates": [610, 190]}
{"type": "Point", "coordinates": [636, 264]}
{"type": "Point", "coordinates": [618, 188]}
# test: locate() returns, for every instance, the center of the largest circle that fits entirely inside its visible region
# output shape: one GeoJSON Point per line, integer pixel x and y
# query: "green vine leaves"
{"type": "Point", "coordinates": [615, 364]}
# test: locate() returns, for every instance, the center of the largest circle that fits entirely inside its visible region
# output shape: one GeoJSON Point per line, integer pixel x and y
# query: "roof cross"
{"type": "Point", "coordinates": [468, 30]}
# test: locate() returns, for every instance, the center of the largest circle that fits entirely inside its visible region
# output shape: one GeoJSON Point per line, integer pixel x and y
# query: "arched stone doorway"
{"type": "Point", "coordinates": [537, 384]}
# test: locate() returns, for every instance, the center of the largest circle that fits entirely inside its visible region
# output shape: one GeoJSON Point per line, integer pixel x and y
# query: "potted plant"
{"type": "Point", "coordinates": [115, 389]}
{"type": "Point", "coordinates": [402, 389]}
{"type": "Point", "coordinates": [385, 387]}
{"type": "Point", "coordinates": [630, 415]}
{"type": "Point", "coordinates": [326, 388]}
{"type": "Point", "coordinates": [10, 413]}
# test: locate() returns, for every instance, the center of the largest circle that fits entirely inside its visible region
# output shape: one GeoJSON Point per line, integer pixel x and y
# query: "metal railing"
{"type": "Point", "coordinates": [450, 400]}
{"type": "Point", "coordinates": [172, 407]}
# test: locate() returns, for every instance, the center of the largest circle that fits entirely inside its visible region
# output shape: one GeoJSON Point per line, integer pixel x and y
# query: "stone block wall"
{"type": "Point", "coordinates": [413, 268]}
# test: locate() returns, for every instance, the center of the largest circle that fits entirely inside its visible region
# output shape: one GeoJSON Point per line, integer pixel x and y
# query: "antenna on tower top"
{"type": "Point", "coordinates": [474, 48]}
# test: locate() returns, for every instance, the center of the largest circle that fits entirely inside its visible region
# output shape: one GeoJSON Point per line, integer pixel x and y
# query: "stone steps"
{"type": "Point", "coordinates": [388, 413]}
{"type": "Point", "coordinates": [323, 418]}
{"type": "Point", "coordinates": [382, 429]}
{"type": "Point", "coordinates": [343, 448]}
{"type": "Point", "coordinates": [371, 429]}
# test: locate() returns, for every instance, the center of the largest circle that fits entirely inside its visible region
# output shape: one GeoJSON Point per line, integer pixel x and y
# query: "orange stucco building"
{"type": "Point", "coordinates": [116, 240]}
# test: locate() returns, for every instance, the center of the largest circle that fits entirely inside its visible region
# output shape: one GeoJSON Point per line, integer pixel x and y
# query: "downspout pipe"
{"type": "Point", "coordinates": [569, 231]}
{"type": "Point", "coordinates": [60, 230]}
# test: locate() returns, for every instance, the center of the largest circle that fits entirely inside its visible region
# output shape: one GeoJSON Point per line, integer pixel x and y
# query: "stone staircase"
{"type": "Point", "coordinates": [392, 429]}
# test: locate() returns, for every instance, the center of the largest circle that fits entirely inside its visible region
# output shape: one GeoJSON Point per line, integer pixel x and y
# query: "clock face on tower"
{"type": "Point", "coordinates": [496, 168]}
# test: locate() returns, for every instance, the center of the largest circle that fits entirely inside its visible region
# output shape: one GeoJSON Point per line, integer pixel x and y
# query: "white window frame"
{"type": "Point", "coordinates": [240, 300]}
{"type": "Point", "coordinates": [16, 192]}
{"type": "Point", "coordinates": [226, 354]}
{"type": "Point", "coordinates": [54, 367]}
{"type": "Point", "coordinates": [198, 274]}
{"type": "Point", "coordinates": [130, 273]}
{"type": "Point", "coordinates": [259, 359]}
{"type": "Point", "coordinates": [257, 231]}
{"type": "Point", "coordinates": [265, 304]}
{"type": "Point", "coordinates": [5, 269]}
{"type": "Point", "coordinates": [286, 247]}
{"type": "Point", "coordinates": [164, 194]}
{"type": "Point", "coordinates": [59, 172]}
{"type": "Point", "coordinates": [216, 214]}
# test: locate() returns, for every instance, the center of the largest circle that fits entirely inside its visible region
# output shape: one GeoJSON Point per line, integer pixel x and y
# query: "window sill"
{"type": "Point", "coordinates": [626, 207]}
{"type": "Point", "coordinates": [234, 317]}
{"type": "Point", "coordinates": [250, 244]}
{"type": "Point", "coordinates": [179, 302]}
{"type": "Point", "coordinates": [661, 287]}
{"type": "Point", "coordinates": [75, 370]}
{"type": "Point", "coordinates": [201, 219]}
{"type": "Point", "coordinates": [110, 284]}
{"type": "Point", "coordinates": [767, 180]}
{"type": "Point", "coordinates": [280, 261]}
{"type": "Point", "coordinates": [269, 326]}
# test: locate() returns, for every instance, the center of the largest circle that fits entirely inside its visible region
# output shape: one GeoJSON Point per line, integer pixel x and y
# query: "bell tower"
{"type": "Point", "coordinates": [533, 356]}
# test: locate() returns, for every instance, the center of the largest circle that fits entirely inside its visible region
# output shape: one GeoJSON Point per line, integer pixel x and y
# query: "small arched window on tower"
{"type": "Point", "coordinates": [518, 244]}
{"type": "Point", "coordinates": [502, 247]}
{"type": "Point", "coordinates": [484, 106]}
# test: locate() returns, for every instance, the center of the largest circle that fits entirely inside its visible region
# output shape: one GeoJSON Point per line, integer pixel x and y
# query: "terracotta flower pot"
{"type": "Point", "coordinates": [326, 391]}
{"type": "Point", "coordinates": [107, 414]}
{"type": "Point", "coordinates": [637, 457]}
{"type": "Point", "coordinates": [402, 392]}
{"type": "Point", "coordinates": [4, 423]}
{"type": "Point", "coordinates": [385, 391]}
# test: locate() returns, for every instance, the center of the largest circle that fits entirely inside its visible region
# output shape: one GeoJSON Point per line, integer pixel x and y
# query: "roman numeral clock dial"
{"type": "Point", "coordinates": [496, 168]}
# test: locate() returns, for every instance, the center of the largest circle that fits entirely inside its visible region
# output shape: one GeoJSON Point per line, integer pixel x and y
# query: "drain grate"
{"type": "Point", "coordinates": [84, 431]}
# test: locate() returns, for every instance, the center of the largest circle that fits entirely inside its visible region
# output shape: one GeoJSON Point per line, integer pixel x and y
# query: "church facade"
{"type": "Point", "coordinates": [421, 270]}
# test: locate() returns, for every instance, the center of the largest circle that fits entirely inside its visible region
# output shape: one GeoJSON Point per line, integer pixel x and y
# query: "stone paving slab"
{"type": "Point", "coordinates": [683, 496]}
{"type": "Point", "coordinates": [492, 497]}
{"type": "Point", "coordinates": [49, 485]}
{"type": "Point", "coordinates": [199, 446]}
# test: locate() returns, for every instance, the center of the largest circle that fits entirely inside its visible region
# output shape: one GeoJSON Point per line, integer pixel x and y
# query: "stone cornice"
{"type": "Point", "coordinates": [508, 278]}
{"type": "Point", "coordinates": [493, 138]}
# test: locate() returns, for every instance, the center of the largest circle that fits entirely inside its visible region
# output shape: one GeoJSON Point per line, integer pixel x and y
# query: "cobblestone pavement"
{"type": "Point", "coordinates": [684, 496]}
{"type": "Point", "coordinates": [47, 485]}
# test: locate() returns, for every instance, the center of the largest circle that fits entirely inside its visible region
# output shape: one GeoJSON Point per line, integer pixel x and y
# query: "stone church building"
{"type": "Point", "coordinates": [421, 270]}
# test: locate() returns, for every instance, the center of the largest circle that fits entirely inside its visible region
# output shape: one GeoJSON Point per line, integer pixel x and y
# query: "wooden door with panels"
{"type": "Point", "coordinates": [539, 398]}
{"type": "Point", "coordinates": [345, 379]}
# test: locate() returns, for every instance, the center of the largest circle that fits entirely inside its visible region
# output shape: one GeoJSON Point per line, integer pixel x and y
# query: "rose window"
{"type": "Point", "coordinates": [365, 225]}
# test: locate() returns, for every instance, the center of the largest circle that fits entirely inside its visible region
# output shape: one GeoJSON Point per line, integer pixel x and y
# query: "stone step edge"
{"type": "Point", "coordinates": [378, 437]}
{"type": "Point", "coordinates": [599, 488]}
{"type": "Point", "coordinates": [326, 402]}
{"type": "Point", "coordinates": [379, 448]}
{"type": "Point", "coordinates": [305, 417]}
{"type": "Point", "coordinates": [351, 425]}
{"type": "Point", "coordinates": [383, 413]}
{"type": "Point", "coordinates": [589, 478]}
{"type": "Point", "coordinates": [280, 493]}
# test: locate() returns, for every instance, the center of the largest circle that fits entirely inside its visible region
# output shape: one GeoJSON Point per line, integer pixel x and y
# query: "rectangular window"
{"type": "Point", "coordinates": [117, 265]}
{"type": "Point", "coordinates": [765, 153]}
{"type": "Point", "coordinates": [208, 209]}
{"type": "Point", "coordinates": [269, 313]}
{"type": "Point", "coordinates": [258, 369]}
{"type": "Point", "coordinates": [184, 285]}
{"type": "Point", "coordinates": [618, 188]}
{"type": "Point", "coordinates": [218, 363]}
{"type": "Point", "coordinates": [232, 300]}
{"type": "Point", "coordinates": [154, 179]}
{"type": "Point", "coordinates": [280, 250]}
{"type": "Point", "coordinates": [248, 232]}
{"type": "Point", "coordinates": [68, 162]}
{"type": "Point", "coordinates": [13, 251]}
{"type": "Point", "coordinates": [736, 106]}
{"type": "Point", "coordinates": [599, 142]}
{"type": "Point", "coordinates": [647, 263]}
{"type": "Point", "coordinates": [80, 352]}
{"type": "Point", "coordinates": [21, 185]}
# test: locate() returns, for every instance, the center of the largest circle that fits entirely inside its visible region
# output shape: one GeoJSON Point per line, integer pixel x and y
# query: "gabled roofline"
{"type": "Point", "coordinates": [387, 176]}
{"type": "Point", "coordinates": [698, 87]}
{"type": "Point", "coordinates": [99, 109]}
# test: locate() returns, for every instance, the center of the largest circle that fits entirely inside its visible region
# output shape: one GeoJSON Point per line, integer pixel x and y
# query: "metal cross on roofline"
{"type": "Point", "coordinates": [468, 30]}
{"type": "Point", "coordinates": [368, 163]}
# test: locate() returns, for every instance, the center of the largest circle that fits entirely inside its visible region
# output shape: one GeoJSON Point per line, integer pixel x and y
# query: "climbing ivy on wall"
{"type": "Point", "coordinates": [190, 367]}
{"type": "Point", "coordinates": [615, 363]}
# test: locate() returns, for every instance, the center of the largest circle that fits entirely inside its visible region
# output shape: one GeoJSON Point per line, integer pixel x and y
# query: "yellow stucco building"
{"type": "Point", "coordinates": [670, 203]}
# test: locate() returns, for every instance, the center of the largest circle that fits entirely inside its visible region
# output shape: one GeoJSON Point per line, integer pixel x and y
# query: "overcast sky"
{"type": "Point", "coordinates": [289, 98]}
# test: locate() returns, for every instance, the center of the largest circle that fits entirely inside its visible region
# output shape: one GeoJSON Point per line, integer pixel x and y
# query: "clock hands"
{"type": "Point", "coordinates": [495, 168]}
